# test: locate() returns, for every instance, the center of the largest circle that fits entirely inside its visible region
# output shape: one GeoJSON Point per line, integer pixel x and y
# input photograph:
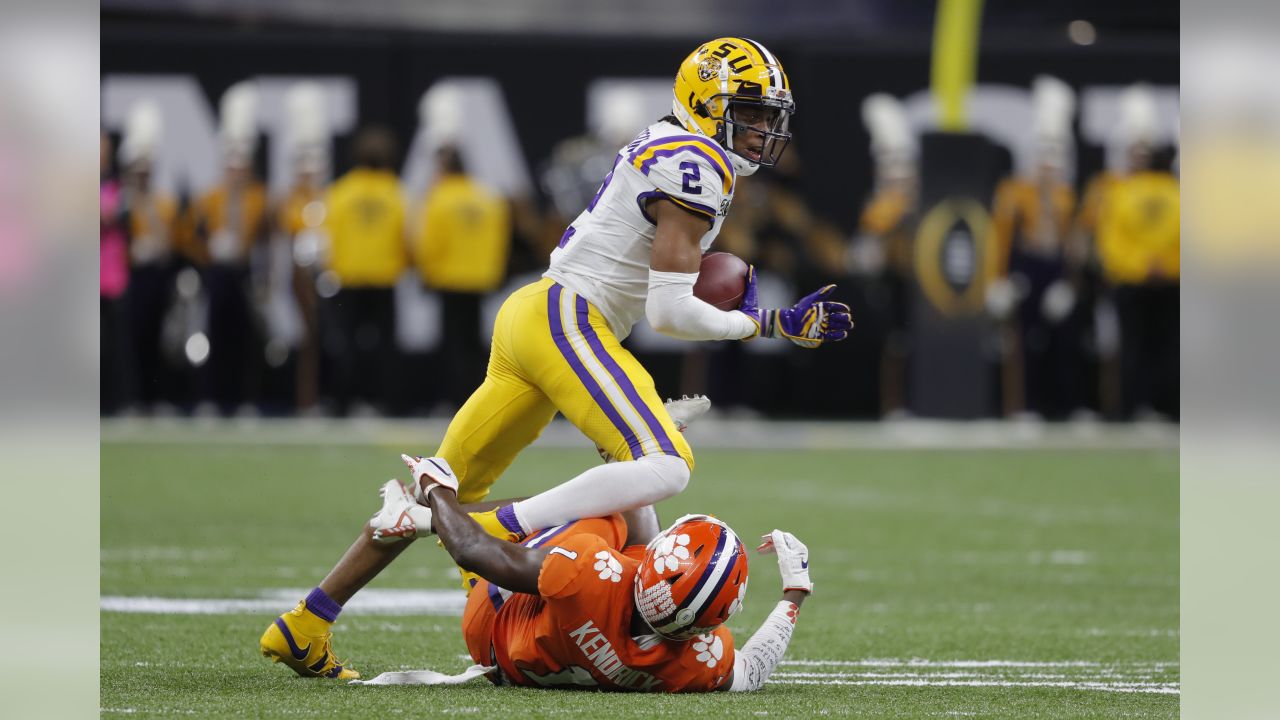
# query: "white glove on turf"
{"type": "Point", "coordinates": [793, 560]}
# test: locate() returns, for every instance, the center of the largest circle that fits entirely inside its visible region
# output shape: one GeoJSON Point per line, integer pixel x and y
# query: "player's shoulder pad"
{"type": "Point", "coordinates": [690, 168]}
{"type": "Point", "coordinates": [569, 561]}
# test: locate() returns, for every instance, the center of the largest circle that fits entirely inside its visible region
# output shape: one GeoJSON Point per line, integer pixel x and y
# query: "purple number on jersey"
{"type": "Point", "coordinates": [691, 175]}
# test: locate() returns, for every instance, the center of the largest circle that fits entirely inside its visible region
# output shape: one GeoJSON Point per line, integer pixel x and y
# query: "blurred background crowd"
{"type": "Point", "coordinates": [298, 218]}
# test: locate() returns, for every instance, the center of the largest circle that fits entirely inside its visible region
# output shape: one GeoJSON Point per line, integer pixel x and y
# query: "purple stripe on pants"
{"type": "Point", "coordinates": [597, 394]}
{"type": "Point", "coordinates": [623, 381]}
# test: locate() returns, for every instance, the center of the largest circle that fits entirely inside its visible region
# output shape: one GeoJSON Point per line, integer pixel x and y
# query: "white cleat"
{"type": "Point", "coordinates": [682, 412]}
{"type": "Point", "coordinates": [400, 516]}
{"type": "Point", "coordinates": [687, 409]}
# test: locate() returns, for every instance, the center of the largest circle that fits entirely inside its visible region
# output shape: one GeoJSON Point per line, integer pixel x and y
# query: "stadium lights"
{"type": "Point", "coordinates": [1082, 32]}
{"type": "Point", "coordinates": [197, 349]}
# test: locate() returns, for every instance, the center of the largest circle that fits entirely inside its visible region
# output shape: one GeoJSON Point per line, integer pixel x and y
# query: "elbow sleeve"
{"type": "Point", "coordinates": [672, 309]}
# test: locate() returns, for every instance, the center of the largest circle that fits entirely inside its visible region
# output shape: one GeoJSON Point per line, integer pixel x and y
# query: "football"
{"type": "Point", "coordinates": [722, 279]}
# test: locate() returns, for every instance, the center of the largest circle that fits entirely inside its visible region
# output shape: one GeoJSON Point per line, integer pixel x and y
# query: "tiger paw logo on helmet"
{"type": "Point", "coordinates": [736, 605]}
{"type": "Point", "coordinates": [670, 551]}
{"type": "Point", "coordinates": [608, 566]}
{"type": "Point", "coordinates": [691, 578]}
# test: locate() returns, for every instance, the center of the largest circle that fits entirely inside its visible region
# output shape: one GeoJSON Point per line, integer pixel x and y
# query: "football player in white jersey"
{"type": "Point", "coordinates": [634, 251]}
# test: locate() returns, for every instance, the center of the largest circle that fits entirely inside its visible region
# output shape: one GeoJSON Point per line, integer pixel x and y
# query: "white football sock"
{"type": "Point", "coordinates": [605, 489]}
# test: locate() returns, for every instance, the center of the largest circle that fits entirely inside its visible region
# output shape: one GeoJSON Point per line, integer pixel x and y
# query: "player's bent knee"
{"type": "Point", "coordinates": [671, 473]}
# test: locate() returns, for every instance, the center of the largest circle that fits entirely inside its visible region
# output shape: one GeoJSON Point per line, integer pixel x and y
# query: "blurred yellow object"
{"type": "Point", "coordinates": [1139, 228]}
{"type": "Point", "coordinates": [1034, 216]}
{"type": "Point", "coordinates": [464, 237]}
{"type": "Point", "coordinates": [224, 226]}
{"type": "Point", "coordinates": [365, 221]}
{"type": "Point", "coordinates": [1233, 218]}
{"type": "Point", "coordinates": [888, 216]}
{"type": "Point", "coordinates": [955, 55]}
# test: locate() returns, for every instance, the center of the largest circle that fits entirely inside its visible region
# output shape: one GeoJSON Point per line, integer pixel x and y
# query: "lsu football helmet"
{"type": "Point", "coordinates": [692, 579]}
{"type": "Point", "coordinates": [735, 91]}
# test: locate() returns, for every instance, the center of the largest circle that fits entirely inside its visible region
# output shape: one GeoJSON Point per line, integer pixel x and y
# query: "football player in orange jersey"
{"type": "Point", "coordinates": [577, 606]}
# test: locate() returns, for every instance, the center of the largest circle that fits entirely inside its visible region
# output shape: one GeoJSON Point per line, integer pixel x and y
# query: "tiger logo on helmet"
{"type": "Point", "coordinates": [692, 579]}
{"type": "Point", "coordinates": [735, 91]}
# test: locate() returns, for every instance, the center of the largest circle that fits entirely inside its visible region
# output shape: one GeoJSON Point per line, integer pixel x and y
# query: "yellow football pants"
{"type": "Point", "coordinates": [552, 350]}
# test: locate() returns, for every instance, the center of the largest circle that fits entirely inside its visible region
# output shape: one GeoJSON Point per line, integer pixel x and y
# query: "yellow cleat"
{"type": "Point", "coordinates": [488, 520]}
{"type": "Point", "coordinates": [301, 640]}
{"type": "Point", "coordinates": [492, 525]}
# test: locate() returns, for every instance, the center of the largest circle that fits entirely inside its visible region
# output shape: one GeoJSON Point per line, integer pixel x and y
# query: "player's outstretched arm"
{"type": "Point", "coordinates": [671, 307]}
{"type": "Point", "coordinates": [509, 565]}
{"type": "Point", "coordinates": [512, 566]}
{"type": "Point", "coordinates": [809, 323]}
{"type": "Point", "coordinates": [756, 660]}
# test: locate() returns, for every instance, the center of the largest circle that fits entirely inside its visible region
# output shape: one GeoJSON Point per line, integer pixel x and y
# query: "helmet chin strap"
{"type": "Point", "coordinates": [743, 166]}
{"type": "Point", "coordinates": [683, 116]}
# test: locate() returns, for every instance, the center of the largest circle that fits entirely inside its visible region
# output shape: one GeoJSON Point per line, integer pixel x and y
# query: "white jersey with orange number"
{"type": "Point", "coordinates": [604, 254]}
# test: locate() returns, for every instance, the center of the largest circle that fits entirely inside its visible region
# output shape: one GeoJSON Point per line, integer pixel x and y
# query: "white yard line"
{"type": "Point", "coordinates": [1157, 688]}
{"type": "Point", "coordinates": [1121, 677]}
{"type": "Point", "coordinates": [368, 602]}
{"type": "Point", "coordinates": [921, 662]}
{"type": "Point", "coordinates": [1102, 676]}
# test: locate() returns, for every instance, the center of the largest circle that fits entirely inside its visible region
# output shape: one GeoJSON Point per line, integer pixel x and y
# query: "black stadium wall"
{"type": "Point", "coordinates": [543, 81]}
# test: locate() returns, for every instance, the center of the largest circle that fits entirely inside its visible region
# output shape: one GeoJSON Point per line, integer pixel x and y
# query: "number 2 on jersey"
{"type": "Point", "coordinates": [691, 176]}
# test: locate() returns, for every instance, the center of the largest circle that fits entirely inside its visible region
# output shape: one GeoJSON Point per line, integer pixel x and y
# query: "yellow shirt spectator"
{"type": "Point", "coordinates": [1138, 228]}
{"type": "Point", "coordinates": [464, 236]}
{"type": "Point", "coordinates": [365, 220]}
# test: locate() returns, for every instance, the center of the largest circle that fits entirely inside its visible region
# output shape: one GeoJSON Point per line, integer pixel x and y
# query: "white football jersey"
{"type": "Point", "coordinates": [604, 254]}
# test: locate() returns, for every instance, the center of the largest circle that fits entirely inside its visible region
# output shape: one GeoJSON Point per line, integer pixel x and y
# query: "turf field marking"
{"type": "Point", "coordinates": [1156, 688]}
{"type": "Point", "coordinates": [1155, 677]}
{"type": "Point", "coordinates": [368, 602]}
{"type": "Point", "coordinates": [920, 662]}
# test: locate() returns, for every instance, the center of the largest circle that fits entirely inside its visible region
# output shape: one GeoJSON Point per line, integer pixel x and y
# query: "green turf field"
{"type": "Point", "coordinates": [1017, 583]}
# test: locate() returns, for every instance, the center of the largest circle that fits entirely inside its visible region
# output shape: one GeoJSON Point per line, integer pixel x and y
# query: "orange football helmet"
{"type": "Point", "coordinates": [692, 579]}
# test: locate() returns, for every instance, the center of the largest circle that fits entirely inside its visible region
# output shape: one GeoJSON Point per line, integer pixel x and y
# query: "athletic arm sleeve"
{"type": "Point", "coordinates": [672, 309]}
{"type": "Point", "coordinates": [753, 664]}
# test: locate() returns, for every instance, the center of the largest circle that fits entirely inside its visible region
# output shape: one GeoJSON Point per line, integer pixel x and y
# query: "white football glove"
{"type": "Point", "coordinates": [427, 473]}
{"type": "Point", "coordinates": [400, 517]}
{"type": "Point", "coordinates": [793, 560]}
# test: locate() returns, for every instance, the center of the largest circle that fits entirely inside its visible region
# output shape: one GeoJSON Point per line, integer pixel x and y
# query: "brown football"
{"type": "Point", "coordinates": [722, 279]}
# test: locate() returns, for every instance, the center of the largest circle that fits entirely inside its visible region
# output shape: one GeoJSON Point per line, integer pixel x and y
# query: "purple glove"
{"type": "Point", "coordinates": [808, 323]}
